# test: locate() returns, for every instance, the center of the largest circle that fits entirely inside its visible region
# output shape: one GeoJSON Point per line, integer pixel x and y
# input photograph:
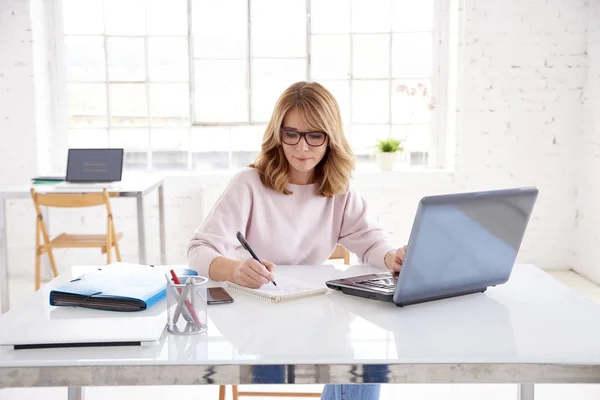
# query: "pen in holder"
{"type": "Point", "coordinates": [186, 306]}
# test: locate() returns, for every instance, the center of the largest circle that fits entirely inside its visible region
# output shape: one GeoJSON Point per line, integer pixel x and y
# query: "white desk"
{"type": "Point", "coordinates": [531, 330]}
{"type": "Point", "coordinates": [130, 187]}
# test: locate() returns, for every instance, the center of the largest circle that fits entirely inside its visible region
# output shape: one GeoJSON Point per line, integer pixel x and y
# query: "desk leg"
{"type": "Point", "coordinates": [141, 229]}
{"type": "Point", "coordinates": [525, 391]}
{"type": "Point", "coordinates": [161, 226]}
{"type": "Point", "coordinates": [4, 295]}
{"type": "Point", "coordinates": [75, 393]}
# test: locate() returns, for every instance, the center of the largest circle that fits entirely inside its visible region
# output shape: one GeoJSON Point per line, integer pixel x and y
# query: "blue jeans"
{"type": "Point", "coordinates": [360, 391]}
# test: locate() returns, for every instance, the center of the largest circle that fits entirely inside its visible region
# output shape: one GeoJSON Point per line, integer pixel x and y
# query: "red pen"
{"type": "Point", "coordinates": [187, 302]}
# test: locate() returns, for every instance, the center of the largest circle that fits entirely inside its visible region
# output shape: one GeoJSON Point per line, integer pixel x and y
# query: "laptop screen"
{"type": "Point", "coordinates": [94, 165]}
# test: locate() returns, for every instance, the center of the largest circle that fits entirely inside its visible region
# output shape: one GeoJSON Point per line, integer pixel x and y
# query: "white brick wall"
{"type": "Point", "coordinates": [522, 74]}
{"type": "Point", "coordinates": [18, 153]}
{"type": "Point", "coordinates": [522, 70]}
{"type": "Point", "coordinates": [587, 235]}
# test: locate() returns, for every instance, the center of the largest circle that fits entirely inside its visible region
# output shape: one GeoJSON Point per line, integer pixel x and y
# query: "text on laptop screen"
{"type": "Point", "coordinates": [94, 165]}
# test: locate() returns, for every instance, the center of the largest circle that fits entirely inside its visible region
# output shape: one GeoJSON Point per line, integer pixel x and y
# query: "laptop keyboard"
{"type": "Point", "coordinates": [385, 282]}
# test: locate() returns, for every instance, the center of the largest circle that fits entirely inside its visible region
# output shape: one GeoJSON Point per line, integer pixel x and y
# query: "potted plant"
{"type": "Point", "coordinates": [386, 153]}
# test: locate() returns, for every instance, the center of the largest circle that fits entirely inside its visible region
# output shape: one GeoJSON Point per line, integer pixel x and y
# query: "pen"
{"type": "Point", "coordinates": [184, 311]}
{"type": "Point", "coordinates": [244, 243]}
{"type": "Point", "coordinates": [187, 302]}
{"type": "Point", "coordinates": [182, 296]}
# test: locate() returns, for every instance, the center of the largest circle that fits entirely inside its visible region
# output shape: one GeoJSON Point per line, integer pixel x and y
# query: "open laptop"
{"type": "Point", "coordinates": [92, 168]}
{"type": "Point", "coordinates": [459, 244]}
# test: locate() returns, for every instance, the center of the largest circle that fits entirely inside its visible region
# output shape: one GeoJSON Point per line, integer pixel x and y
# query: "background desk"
{"type": "Point", "coordinates": [531, 330]}
{"type": "Point", "coordinates": [135, 187]}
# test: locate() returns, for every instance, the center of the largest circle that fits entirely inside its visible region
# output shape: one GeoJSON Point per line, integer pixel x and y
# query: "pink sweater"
{"type": "Point", "coordinates": [298, 229]}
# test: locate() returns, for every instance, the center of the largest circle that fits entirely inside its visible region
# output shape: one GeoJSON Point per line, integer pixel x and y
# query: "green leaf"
{"type": "Point", "coordinates": [390, 145]}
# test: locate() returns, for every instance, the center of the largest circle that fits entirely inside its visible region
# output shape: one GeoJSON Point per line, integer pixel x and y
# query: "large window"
{"type": "Point", "coordinates": [190, 84]}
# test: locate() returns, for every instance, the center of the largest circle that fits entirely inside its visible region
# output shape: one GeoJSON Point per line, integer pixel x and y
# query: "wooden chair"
{"type": "Point", "coordinates": [72, 200]}
{"type": "Point", "coordinates": [339, 252]}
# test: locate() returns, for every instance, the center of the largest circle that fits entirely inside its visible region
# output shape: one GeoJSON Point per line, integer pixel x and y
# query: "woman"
{"type": "Point", "coordinates": [298, 189]}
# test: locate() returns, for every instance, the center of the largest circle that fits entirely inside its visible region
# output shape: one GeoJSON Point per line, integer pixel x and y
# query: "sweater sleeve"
{"type": "Point", "coordinates": [362, 236]}
{"type": "Point", "coordinates": [216, 236]}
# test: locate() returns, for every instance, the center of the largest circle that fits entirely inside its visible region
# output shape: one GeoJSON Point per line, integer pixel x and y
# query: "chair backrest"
{"type": "Point", "coordinates": [340, 252]}
{"type": "Point", "coordinates": [71, 200]}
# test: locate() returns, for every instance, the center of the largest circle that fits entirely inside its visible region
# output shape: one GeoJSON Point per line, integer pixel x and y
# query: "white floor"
{"type": "Point", "coordinates": [20, 289]}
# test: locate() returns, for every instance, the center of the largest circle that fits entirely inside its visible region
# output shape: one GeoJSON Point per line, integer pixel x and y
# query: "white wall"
{"type": "Point", "coordinates": [18, 152]}
{"type": "Point", "coordinates": [522, 71]}
{"type": "Point", "coordinates": [587, 237]}
{"type": "Point", "coordinates": [522, 78]}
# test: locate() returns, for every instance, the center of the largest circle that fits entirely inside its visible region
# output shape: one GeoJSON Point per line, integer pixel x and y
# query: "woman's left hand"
{"type": "Point", "coordinates": [393, 259]}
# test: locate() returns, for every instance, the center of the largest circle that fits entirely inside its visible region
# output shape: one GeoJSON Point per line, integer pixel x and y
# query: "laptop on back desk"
{"type": "Point", "coordinates": [93, 168]}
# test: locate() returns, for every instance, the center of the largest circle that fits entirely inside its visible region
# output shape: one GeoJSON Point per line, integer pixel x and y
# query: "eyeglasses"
{"type": "Point", "coordinates": [292, 137]}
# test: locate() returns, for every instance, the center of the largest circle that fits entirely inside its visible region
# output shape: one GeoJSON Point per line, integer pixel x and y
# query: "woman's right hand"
{"type": "Point", "coordinates": [252, 274]}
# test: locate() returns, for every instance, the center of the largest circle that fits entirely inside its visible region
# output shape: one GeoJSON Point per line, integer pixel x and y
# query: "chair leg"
{"type": "Point", "coordinates": [52, 263]}
{"type": "Point", "coordinates": [234, 388]}
{"type": "Point", "coordinates": [108, 255]}
{"type": "Point", "coordinates": [37, 269]}
{"type": "Point", "coordinates": [222, 392]}
{"type": "Point", "coordinates": [117, 251]}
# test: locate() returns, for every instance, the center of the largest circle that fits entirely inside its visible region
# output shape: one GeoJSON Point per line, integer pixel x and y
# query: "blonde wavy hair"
{"type": "Point", "coordinates": [320, 111]}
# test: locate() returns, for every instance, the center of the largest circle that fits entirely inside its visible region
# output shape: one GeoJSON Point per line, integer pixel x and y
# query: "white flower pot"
{"type": "Point", "coordinates": [386, 161]}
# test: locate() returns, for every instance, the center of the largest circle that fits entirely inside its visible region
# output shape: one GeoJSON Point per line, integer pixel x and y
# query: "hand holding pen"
{"type": "Point", "coordinates": [254, 272]}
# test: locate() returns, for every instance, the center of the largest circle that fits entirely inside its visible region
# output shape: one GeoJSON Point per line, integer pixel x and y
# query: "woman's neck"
{"type": "Point", "coordinates": [302, 178]}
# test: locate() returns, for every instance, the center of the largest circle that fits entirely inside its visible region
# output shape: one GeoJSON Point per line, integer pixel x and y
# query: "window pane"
{"type": "Point", "coordinates": [169, 149]}
{"type": "Point", "coordinates": [128, 104]}
{"type": "Point", "coordinates": [411, 101]}
{"type": "Point", "coordinates": [207, 161]}
{"type": "Point", "coordinates": [416, 137]}
{"type": "Point", "coordinates": [371, 56]}
{"type": "Point", "coordinates": [87, 138]}
{"type": "Point", "coordinates": [269, 79]}
{"type": "Point", "coordinates": [168, 59]}
{"type": "Point", "coordinates": [220, 29]}
{"type": "Point", "coordinates": [210, 147]}
{"type": "Point", "coordinates": [278, 28]}
{"type": "Point", "coordinates": [83, 17]}
{"type": "Point", "coordinates": [417, 142]}
{"type": "Point", "coordinates": [169, 104]}
{"type": "Point", "coordinates": [412, 55]}
{"type": "Point", "coordinates": [136, 144]}
{"type": "Point", "coordinates": [364, 137]}
{"type": "Point", "coordinates": [243, 158]}
{"type": "Point", "coordinates": [129, 139]}
{"type": "Point", "coordinates": [245, 144]}
{"type": "Point", "coordinates": [371, 15]}
{"type": "Point", "coordinates": [341, 91]}
{"type": "Point", "coordinates": [370, 102]}
{"type": "Point", "coordinates": [412, 16]}
{"type": "Point", "coordinates": [330, 16]}
{"type": "Point", "coordinates": [86, 104]}
{"type": "Point", "coordinates": [125, 17]}
{"type": "Point", "coordinates": [167, 17]}
{"type": "Point", "coordinates": [247, 138]}
{"type": "Point", "coordinates": [85, 58]}
{"type": "Point", "coordinates": [210, 138]}
{"type": "Point", "coordinates": [330, 58]}
{"type": "Point", "coordinates": [126, 59]}
{"type": "Point", "coordinates": [221, 93]}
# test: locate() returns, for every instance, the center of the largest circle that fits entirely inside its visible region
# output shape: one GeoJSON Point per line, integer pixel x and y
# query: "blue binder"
{"type": "Point", "coordinates": [117, 287]}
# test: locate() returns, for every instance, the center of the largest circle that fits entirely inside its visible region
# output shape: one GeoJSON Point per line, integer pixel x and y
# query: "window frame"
{"type": "Point", "coordinates": [439, 83]}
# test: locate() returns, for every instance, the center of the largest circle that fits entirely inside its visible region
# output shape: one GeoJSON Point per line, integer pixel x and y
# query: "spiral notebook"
{"type": "Point", "coordinates": [287, 289]}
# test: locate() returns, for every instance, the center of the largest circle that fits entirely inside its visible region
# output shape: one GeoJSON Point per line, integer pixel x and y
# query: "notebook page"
{"type": "Point", "coordinates": [287, 286]}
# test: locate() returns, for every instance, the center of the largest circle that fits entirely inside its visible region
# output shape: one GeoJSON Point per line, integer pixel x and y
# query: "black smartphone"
{"type": "Point", "coordinates": [218, 295]}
